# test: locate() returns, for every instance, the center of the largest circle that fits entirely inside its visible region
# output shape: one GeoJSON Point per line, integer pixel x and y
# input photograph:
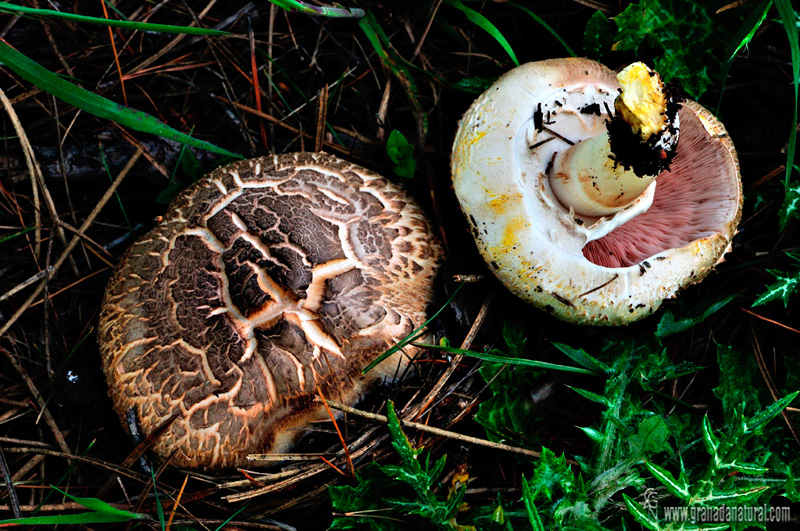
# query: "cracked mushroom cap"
{"type": "Point", "coordinates": [267, 279]}
{"type": "Point", "coordinates": [591, 270]}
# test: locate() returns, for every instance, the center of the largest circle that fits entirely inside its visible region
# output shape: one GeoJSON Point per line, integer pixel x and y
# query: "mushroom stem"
{"type": "Point", "coordinates": [603, 174]}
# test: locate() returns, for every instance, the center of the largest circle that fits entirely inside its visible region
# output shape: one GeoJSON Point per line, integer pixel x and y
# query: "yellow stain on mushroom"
{"type": "Point", "coordinates": [499, 203]}
{"type": "Point", "coordinates": [511, 232]}
{"type": "Point", "coordinates": [475, 138]}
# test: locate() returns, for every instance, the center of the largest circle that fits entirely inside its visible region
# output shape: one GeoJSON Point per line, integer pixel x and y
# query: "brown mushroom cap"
{"type": "Point", "coordinates": [266, 279]}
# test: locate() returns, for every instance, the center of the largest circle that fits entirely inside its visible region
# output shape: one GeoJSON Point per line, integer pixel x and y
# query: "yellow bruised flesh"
{"type": "Point", "coordinates": [643, 101]}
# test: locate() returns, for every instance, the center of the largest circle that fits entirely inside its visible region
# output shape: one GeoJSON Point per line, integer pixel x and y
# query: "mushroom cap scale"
{"type": "Point", "coordinates": [267, 279]}
{"type": "Point", "coordinates": [607, 270]}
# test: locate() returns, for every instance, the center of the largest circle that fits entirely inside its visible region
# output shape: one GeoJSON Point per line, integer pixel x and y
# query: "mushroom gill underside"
{"type": "Point", "coordinates": [268, 281]}
{"type": "Point", "coordinates": [690, 203]}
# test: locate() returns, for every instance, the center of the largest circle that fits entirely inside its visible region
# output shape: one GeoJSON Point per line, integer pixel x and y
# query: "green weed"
{"type": "Point", "coordinates": [784, 286]}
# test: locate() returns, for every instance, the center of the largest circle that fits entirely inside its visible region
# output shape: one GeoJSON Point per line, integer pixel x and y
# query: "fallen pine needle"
{"type": "Point", "coordinates": [433, 430]}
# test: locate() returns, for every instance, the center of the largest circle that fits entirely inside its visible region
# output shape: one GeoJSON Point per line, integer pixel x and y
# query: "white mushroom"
{"type": "Point", "coordinates": [560, 192]}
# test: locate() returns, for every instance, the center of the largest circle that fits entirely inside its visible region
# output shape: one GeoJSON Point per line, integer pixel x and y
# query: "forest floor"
{"type": "Point", "coordinates": [690, 403]}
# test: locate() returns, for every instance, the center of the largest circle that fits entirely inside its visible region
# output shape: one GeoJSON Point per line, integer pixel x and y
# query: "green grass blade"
{"type": "Point", "coordinates": [583, 358]}
{"type": "Point", "coordinates": [99, 506]}
{"type": "Point", "coordinates": [101, 513]}
{"type": "Point", "coordinates": [483, 23]}
{"type": "Point", "coordinates": [546, 26]}
{"type": "Point", "coordinates": [743, 36]}
{"type": "Point", "coordinates": [116, 192]}
{"type": "Point", "coordinates": [399, 67]}
{"type": "Point", "coordinates": [159, 507]}
{"type": "Point", "coordinates": [99, 106]}
{"type": "Point", "coordinates": [413, 335]}
{"type": "Point", "coordinates": [747, 30]}
{"type": "Point", "coordinates": [331, 12]}
{"type": "Point", "coordinates": [20, 233]}
{"type": "Point", "coordinates": [78, 518]}
{"type": "Point", "coordinates": [789, 20]}
{"type": "Point", "coordinates": [5, 7]}
{"type": "Point", "coordinates": [487, 356]}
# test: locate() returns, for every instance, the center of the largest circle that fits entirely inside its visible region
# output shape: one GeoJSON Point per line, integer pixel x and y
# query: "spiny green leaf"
{"type": "Point", "coordinates": [655, 367]}
{"type": "Point", "coordinates": [94, 104]}
{"type": "Point", "coordinates": [5, 7]}
{"type": "Point", "coordinates": [790, 209]}
{"type": "Point", "coordinates": [783, 288]}
{"type": "Point", "coordinates": [594, 397]}
{"type": "Point", "coordinates": [401, 153]}
{"type": "Point", "coordinates": [740, 495]}
{"type": "Point", "coordinates": [751, 469]}
{"type": "Point", "coordinates": [363, 502]}
{"type": "Point", "coordinates": [553, 479]}
{"type": "Point", "coordinates": [640, 514]}
{"type": "Point", "coordinates": [790, 489]}
{"type": "Point", "coordinates": [400, 441]}
{"type": "Point", "coordinates": [709, 439]}
{"type": "Point", "coordinates": [530, 507]}
{"type": "Point", "coordinates": [484, 23]}
{"type": "Point", "coordinates": [760, 419]}
{"type": "Point", "coordinates": [677, 487]}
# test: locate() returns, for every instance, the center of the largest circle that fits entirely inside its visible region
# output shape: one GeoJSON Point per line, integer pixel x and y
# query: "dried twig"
{"type": "Point", "coordinates": [436, 431]}
{"type": "Point", "coordinates": [37, 180]}
{"type": "Point", "coordinates": [12, 492]}
{"type": "Point", "coordinates": [466, 344]}
{"type": "Point", "coordinates": [32, 280]}
{"type": "Point", "coordinates": [66, 252]}
{"type": "Point", "coordinates": [322, 115]}
{"type": "Point", "coordinates": [776, 323]}
{"type": "Point", "coordinates": [773, 389]}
